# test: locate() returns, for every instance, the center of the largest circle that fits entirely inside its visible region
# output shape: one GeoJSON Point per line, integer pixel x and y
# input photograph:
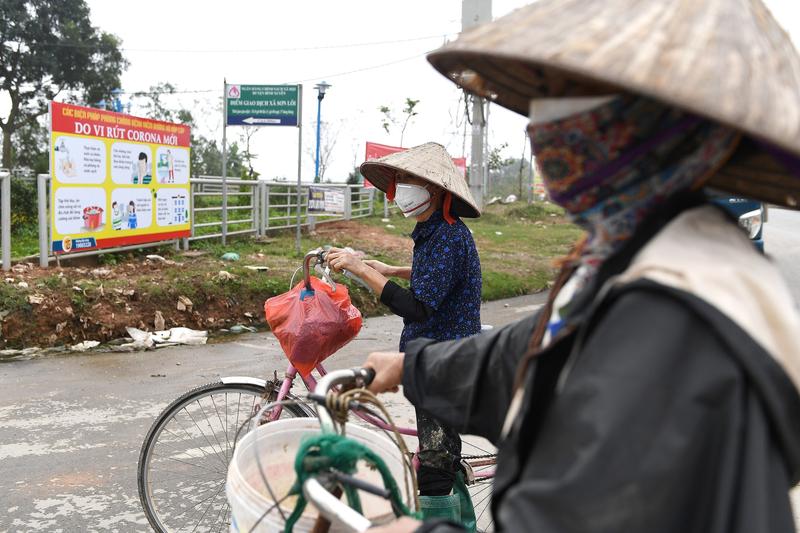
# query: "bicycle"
{"type": "Point", "coordinates": [184, 458]}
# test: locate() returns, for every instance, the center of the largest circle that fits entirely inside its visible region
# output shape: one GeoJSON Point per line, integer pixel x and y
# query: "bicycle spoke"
{"type": "Point", "coordinates": [207, 508]}
{"type": "Point", "coordinates": [166, 457]}
{"type": "Point", "coordinates": [186, 451]}
{"type": "Point", "coordinates": [213, 432]}
{"type": "Point", "coordinates": [191, 438]}
{"type": "Point", "coordinates": [223, 511]}
{"type": "Point", "coordinates": [201, 502]}
{"type": "Point", "coordinates": [177, 475]}
{"type": "Point", "coordinates": [184, 465]}
{"type": "Point", "coordinates": [195, 492]}
{"type": "Point", "coordinates": [221, 424]}
{"type": "Point", "coordinates": [205, 437]}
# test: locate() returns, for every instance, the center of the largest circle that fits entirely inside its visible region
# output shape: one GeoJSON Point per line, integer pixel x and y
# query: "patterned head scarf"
{"type": "Point", "coordinates": [610, 166]}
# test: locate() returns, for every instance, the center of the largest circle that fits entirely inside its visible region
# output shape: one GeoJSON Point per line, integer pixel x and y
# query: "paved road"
{"type": "Point", "coordinates": [71, 426]}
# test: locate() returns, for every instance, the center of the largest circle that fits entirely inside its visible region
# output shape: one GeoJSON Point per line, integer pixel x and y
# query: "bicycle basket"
{"type": "Point", "coordinates": [312, 325]}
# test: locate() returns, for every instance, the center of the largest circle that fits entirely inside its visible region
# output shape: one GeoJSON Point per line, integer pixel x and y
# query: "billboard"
{"type": "Point", "coordinates": [262, 105]}
{"type": "Point", "coordinates": [375, 150]}
{"type": "Point", "coordinates": [116, 179]}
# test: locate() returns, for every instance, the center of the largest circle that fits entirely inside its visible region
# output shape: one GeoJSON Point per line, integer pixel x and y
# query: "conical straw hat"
{"type": "Point", "coordinates": [727, 60]}
{"type": "Point", "coordinates": [431, 162]}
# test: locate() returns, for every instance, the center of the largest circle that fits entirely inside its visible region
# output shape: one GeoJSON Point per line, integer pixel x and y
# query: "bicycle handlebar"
{"type": "Point", "coordinates": [319, 255]}
{"type": "Point", "coordinates": [332, 508]}
{"type": "Point", "coordinates": [361, 377]}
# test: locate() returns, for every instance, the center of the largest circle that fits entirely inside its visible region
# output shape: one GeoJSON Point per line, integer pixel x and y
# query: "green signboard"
{"type": "Point", "coordinates": [262, 105]}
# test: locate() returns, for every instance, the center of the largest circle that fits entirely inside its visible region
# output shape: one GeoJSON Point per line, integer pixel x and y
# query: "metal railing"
{"type": "Point", "coordinates": [254, 208]}
{"type": "Point", "coordinates": [5, 217]}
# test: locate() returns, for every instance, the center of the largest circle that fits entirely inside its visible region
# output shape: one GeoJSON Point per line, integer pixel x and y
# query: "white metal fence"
{"type": "Point", "coordinates": [254, 208]}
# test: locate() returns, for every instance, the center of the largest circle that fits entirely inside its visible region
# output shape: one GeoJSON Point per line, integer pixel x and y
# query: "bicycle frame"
{"type": "Point", "coordinates": [311, 383]}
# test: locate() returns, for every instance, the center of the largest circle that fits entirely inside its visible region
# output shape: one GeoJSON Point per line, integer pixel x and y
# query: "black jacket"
{"type": "Point", "coordinates": [657, 413]}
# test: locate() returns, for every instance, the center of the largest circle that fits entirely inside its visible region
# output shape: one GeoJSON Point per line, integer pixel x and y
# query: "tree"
{"type": "Point", "coordinates": [47, 48]}
{"type": "Point", "coordinates": [248, 155]}
{"type": "Point", "coordinates": [388, 119]}
{"type": "Point", "coordinates": [506, 174]}
{"type": "Point", "coordinates": [31, 147]}
{"type": "Point", "coordinates": [496, 162]}
{"type": "Point", "coordinates": [206, 156]}
{"type": "Point", "coordinates": [208, 160]}
{"type": "Point", "coordinates": [154, 106]}
{"type": "Point", "coordinates": [409, 112]}
{"type": "Point", "coordinates": [355, 177]}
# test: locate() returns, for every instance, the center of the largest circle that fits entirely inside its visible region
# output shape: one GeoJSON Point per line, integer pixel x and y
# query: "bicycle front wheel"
{"type": "Point", "coordinates": [184, 460]}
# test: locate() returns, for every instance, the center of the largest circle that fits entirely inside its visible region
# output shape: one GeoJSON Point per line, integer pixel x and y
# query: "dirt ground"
{"type": "Point", "coordinates": [98, 298]}
{"type": "Point", "coordinates": [69, 304]}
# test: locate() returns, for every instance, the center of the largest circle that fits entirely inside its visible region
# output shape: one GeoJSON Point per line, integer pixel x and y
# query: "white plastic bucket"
{"type": "Point", "coordinates": [277, 443]}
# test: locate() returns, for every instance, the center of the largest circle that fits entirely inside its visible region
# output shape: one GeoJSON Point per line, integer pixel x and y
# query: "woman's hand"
{"type": "Point", "coordinates": [380, 267]}
{"type": "Point", "coordinates": [388, 368]}
{"type": "Point", "coordinates": [401, 525]}
{"type": "Point", "coordinates": [339, 260]}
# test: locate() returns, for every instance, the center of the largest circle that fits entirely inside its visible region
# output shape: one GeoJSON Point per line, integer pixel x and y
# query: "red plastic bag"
{"type": "Point", "coordinates": [312, 326]}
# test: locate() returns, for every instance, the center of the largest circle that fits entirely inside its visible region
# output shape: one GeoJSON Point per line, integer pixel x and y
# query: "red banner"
{"type": "Point", "coordinates": [375, 150]}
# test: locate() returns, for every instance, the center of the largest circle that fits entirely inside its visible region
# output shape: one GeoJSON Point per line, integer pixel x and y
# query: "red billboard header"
{"type": "Point", "coordinates": [77, 120]}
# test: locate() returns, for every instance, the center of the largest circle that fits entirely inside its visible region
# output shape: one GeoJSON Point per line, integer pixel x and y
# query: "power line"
{"type": "Point", "coordinates": [253, 50]}
{"type": "Point", "coordinates": [373, 67]}
{"type": "Point", "coordinates": [327, 76]}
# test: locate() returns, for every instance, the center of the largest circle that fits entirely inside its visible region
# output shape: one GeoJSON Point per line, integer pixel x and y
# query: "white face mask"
{"type": "Point", "coordinates": [412, 200]}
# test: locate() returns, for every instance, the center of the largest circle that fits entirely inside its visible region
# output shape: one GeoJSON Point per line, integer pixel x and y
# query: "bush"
{"type": "Point", "coordinates": [23, 206]}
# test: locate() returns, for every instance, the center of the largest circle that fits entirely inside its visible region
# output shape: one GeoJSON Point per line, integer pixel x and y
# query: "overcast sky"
{"type": "Point", "coordinates": [372, 52]}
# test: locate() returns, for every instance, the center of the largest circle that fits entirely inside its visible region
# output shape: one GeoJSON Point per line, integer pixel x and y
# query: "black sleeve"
{"type": "Point", "coordinates": [403, 303]}
{"type": "Point", "coordinates": [654, 426]}
{"type": "Point", "coordinates": [467, 383]}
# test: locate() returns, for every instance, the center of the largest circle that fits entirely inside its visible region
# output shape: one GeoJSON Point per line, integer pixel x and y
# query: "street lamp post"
{"type": "Point", "coordinates": [321, 89]}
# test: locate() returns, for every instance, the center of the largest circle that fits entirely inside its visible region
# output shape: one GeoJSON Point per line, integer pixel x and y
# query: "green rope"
{"type": "Point", "coordinates": [331, 451]}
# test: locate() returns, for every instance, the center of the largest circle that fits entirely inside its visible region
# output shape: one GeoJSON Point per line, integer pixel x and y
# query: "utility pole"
{"type": "Point", "coordinates": [473, 13]}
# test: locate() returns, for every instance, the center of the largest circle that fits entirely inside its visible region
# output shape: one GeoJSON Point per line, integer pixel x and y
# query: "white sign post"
{"type": "Point", "coordinates": [261, 105]}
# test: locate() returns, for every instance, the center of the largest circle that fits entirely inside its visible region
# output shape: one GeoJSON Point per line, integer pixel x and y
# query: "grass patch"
{"type": "Point", "coordinates": [12, 298]}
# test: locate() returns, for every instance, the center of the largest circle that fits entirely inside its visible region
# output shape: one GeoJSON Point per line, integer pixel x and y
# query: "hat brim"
{"type": "Point", "coordinates": [382, 174]}
{"type": "Point", "coordinates": [694, 59]}
{"type": "Point", "coordinates": [512, 82]}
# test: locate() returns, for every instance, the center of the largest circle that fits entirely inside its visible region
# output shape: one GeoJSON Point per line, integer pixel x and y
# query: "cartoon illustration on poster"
{"type": "Point", "coordinates": [132, 208]}
{"type": "Point", "coordinates": [172, 207]}
{"type": "Point", "coordinates": [79, 210]}
{"type": "Point", "coordinates": [79, 160]}
{"type": "Point", "coordinates": [131, 164]}
{"type": "Point", "coordinates": [116, 179]}
{"type": "Point", "coordinates": [172, 165]}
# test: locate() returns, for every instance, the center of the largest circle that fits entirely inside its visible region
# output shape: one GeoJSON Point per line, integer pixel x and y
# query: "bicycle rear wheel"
{"type": "Point", "coordinates": [481, 458]}
{"type": "Point", "coordinates": [184, 459]}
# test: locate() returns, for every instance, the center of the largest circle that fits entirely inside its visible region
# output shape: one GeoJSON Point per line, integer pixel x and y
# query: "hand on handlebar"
{"type": "Point", "coordinates": [339, 260]}
{"type": "Point", "coordinates": [388, 368]}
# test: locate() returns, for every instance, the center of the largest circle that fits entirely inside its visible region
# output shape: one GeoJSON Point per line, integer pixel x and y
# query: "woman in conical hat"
{"type": "Point", "coordinates": [658, 388]}
{"type": "Point", "coordinates": [444, 295]}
